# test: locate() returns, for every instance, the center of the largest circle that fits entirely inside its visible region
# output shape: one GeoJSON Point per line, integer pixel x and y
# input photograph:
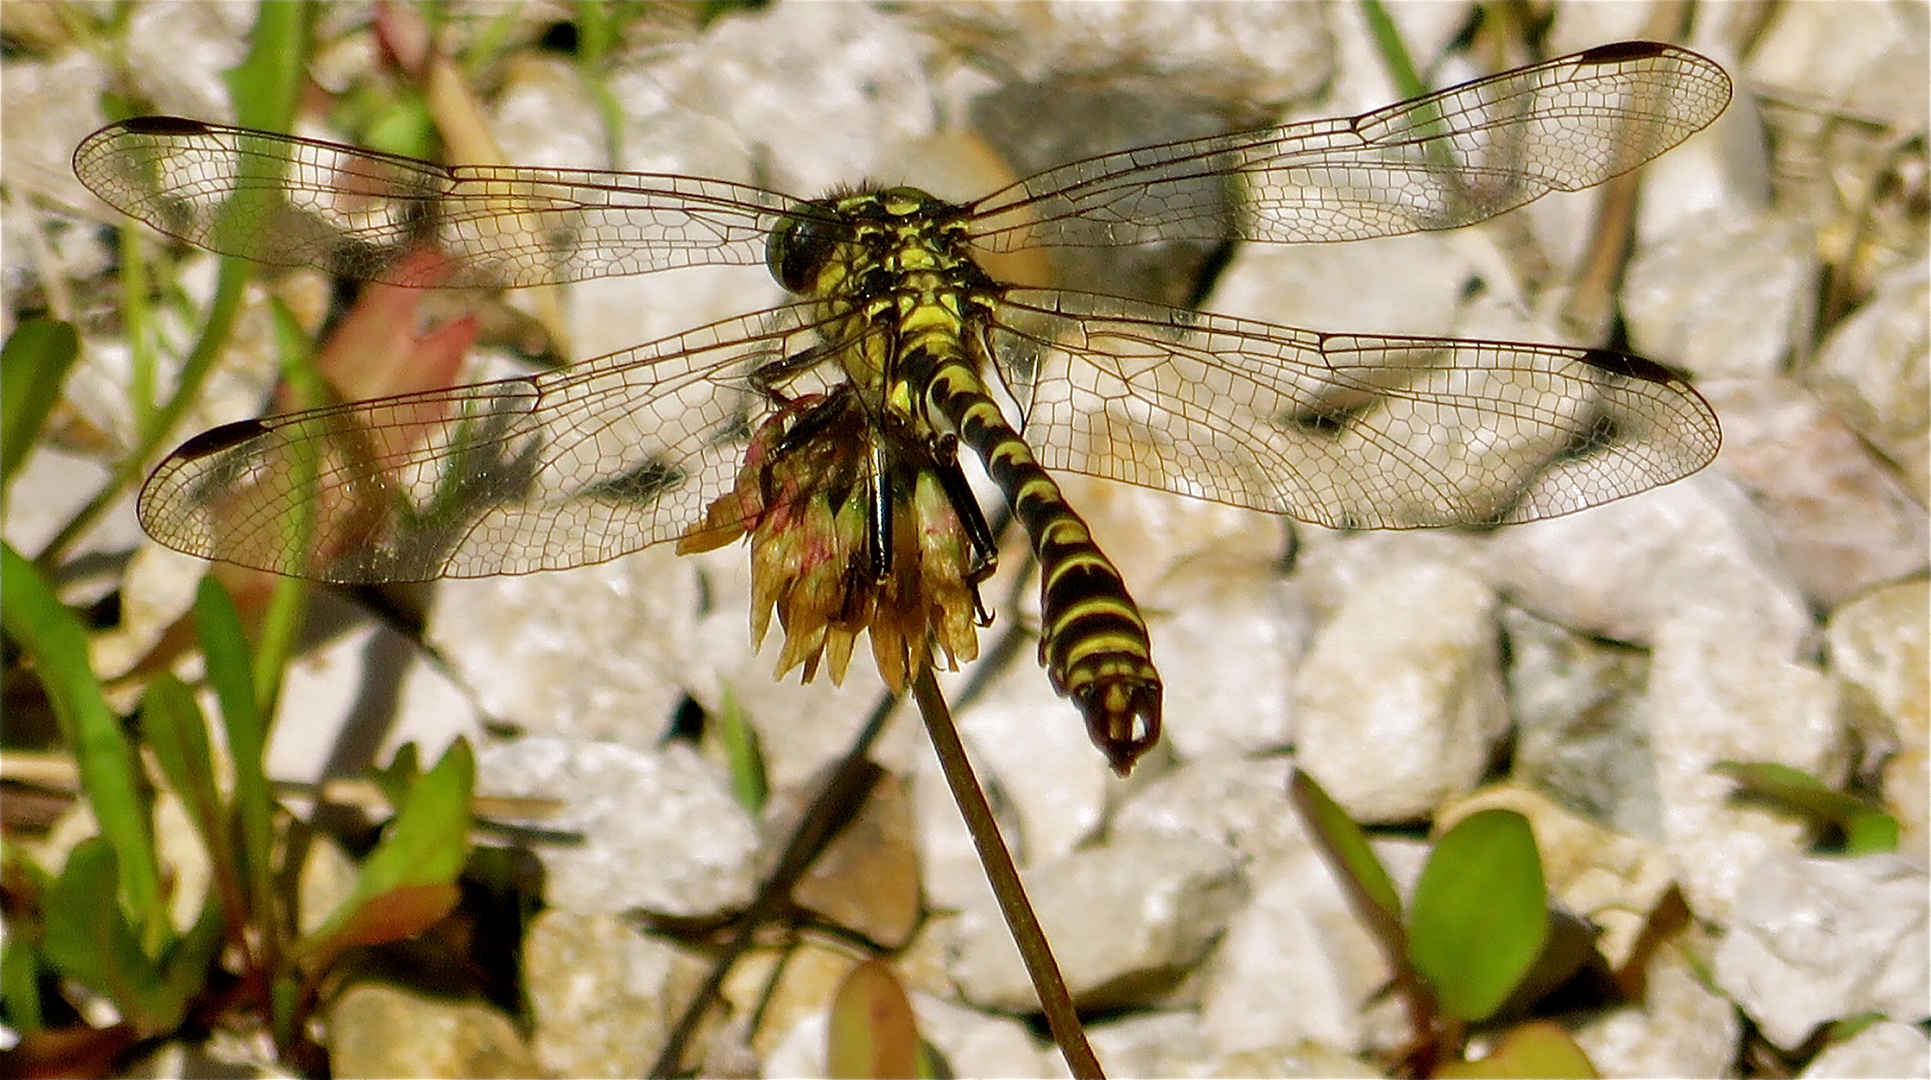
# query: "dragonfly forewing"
{"type": "Point", "coordinates": [544, 472]}
{"type": "Point", "coordinates": [1344, 430]}
{"type": "Point", "coordinates": [1436, 162]}
{"type": "Point", "coordinates": [287, 201]}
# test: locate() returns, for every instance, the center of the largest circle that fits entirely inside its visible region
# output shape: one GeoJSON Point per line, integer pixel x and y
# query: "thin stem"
{"type": "Point", "coordinates": [1004, 877]}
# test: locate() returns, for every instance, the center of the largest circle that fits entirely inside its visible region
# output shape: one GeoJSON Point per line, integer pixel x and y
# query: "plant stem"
{"type": "Point", "coordinates": [1004, 877]}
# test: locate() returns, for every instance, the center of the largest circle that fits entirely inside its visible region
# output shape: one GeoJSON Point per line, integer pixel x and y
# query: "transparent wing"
{"type": "Point", "coordinates": [555, 470]}
{"type": "Point", "coordinates": [286, 201]}
{"type": "Point", "coordinates": [1435, 162]}
{"type": "Point", "coordinates": [1343, 430]}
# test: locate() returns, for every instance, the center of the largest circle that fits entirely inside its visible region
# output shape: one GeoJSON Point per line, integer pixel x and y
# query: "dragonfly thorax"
{"type": "Point", "coordinates": [892, 270]}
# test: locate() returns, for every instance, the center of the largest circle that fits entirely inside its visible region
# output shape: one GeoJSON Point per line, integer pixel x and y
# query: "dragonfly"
{"type": "Point", "coordinates": [827, 430]}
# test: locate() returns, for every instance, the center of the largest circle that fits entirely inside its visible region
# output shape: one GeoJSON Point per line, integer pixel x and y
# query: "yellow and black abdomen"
{"type": "Point", "coordinates": [1093, 640]}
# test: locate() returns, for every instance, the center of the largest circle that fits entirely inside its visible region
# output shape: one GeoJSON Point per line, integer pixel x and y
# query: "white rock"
{"type": "Point", "coordinates": [596, 652]}
{"type": "Point", "coordinates": [1842, 521]}
{"type": "Point", "coordinates": [1872, 369]}
{"type": "Point", "coordinates": [356, 700]}
{"type": "Point", "coordinates": [1296, 966]}
{"type": "Point", "coordinates": [1123, 919]}
{"type": "Point", "coordinates": [1682, 1028]}
{"type": "Point", "coordinates": [1717, 697]}
{"type": "Point", "coordinates": [1725, 297]}
{"type": "Point", "coordinates": [1886, 1048]}
{"type": "Point", "coordinates": [602, 994]}
{"type": "Point", "coordinates": [1151, 1044]}
{"type": "Point", "coordinates": [1621, 570]}
{"type": "Point", "coordinates": [1877, 646]}
{"type": "Point", "coordinates": [980, 1044]}
{"type": "Point", "coordinates": [1822, 939]}
{"type": "Point", "coordinates": [1399, 285]}
{"type": "Point", "coordinates": [1402, 693]}
{"type": "Point", "coordinates": [1255, 52]}
{"type": "Point", "coordinates": [175, 54]}
{"type": "Point", "coordinates": [660, 830]}
{"type": "Point", "coordinates": [378, 1029]}
{"type": "Point", "coordinates": [1228, 634]}
{"type": "Point", "coordinates": [1582, 722]}
{"type": "Point", "coordinates": [1863, 58]}
{"type": "Point", "coordinates": [823, 91]}
{"type": "Point", "coordinates": [1042, 774]}
{"type": "Point", "coordinates": [1240, 803]}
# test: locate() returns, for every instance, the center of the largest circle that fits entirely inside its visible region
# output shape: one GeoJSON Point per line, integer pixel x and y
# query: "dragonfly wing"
{"type": "Point", "coordinates": [1343, 430]}
{"type": "Point", "coordinates": [1436, 162]}
{"type": "Point", "coordinates": [288, 201]}
{"type": "Point", "coordinates": [549, 471]}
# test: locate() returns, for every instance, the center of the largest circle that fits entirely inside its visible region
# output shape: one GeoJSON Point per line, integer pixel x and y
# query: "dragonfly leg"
{"type": "Point", "coordinates": [766, 379]}
{"type": "Point", "coordinates": [985, 553]}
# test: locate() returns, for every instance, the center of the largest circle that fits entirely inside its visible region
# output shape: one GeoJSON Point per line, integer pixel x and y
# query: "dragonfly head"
{"type": "Point", "coordinates": [803, 244]}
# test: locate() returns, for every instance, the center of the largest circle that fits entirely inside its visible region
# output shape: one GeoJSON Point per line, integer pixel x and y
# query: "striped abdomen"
{"type": "Point", "coordinates": [1093, 641]}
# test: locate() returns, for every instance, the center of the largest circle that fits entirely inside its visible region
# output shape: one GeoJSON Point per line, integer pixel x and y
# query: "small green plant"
{"type": "Point", "coordinates": [101, 921]}
{"type": "Point", "coordinates": [1840, 823]}
{"type": "Point", "coordinates": [1469, 945]}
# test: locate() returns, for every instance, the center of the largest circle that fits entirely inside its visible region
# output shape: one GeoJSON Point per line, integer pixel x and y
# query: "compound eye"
{"type": "Point", "coordinates": [799, 248]}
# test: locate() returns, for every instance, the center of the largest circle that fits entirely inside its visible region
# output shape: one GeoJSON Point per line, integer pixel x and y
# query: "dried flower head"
{"type": "Point", "coordinates": [804, 497]}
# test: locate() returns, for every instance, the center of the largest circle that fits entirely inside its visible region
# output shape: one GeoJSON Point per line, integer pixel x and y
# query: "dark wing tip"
{"type": "Point", "coordinates": [1632, 367]}
{"type": "Point", "coordinates": [216, 439]}
{"type": "Point", "coordinates": [163, 125]}
{"type": "Point", "coordinates": [1617, 52]}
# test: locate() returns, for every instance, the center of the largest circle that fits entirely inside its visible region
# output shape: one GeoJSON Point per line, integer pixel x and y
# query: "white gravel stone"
{"type": "Point", "coordinates": [1715, 697]}
{"type": "Point", "coordinates": [1822, 939]}
{"type": "Point", "coordinates": [1402, 692]}
{"type": "Point", "coordinates": [1886, 1048]}
{"type": "Point", "coordinates": [660, 830]}
{"type": "Point", "coordinates": [1123, 919]}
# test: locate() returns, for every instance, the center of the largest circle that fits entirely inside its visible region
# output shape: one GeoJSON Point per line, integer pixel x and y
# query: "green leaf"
{"type": "Point", "coordinates": [1873, 832]}
{"type": "Point", "coordinates": [1479, 916]}
{"type": "Point", "coordinates": [1529, 1052]}
{"type": "Point", "coordinates": [188, 963]}
{"type": "Point", "coordinates": [33, 367]}
{"type": "Point", "coordinates": [225, 652]}
{"type": "Point", "coordinates": [425, 846]}
{"type": "Point", "coordinates": [395, 915]}
{"type": "Point", "coordinates": [396, 778]}
{"type": "Point", "coordinates": [871, 1031]}
{"type": "Point", "coordinates": [20, 970]}
{"type": "Point", "coordinates": [51, 634]}
{"type": "Point", "coordinates": [88, 939]}
{"type": "Point", "coordinates": [744, 756]}
{"type": "Point", "coordinates": [1867, 828]}
{"type": "Point", "coordinates": [178, 734]}
{"type": "Point", "coordinates": [1370, 889]}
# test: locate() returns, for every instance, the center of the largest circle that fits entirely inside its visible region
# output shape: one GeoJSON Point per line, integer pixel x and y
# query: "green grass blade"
{"type": "Point", "coordinates": [230, 667]}
{"type": "Point", "coordinates": [33, 367]}
{"type": "Point", "coordinates": [109, 773]}
{"type": "Point", "coordinates": [175, 729]}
